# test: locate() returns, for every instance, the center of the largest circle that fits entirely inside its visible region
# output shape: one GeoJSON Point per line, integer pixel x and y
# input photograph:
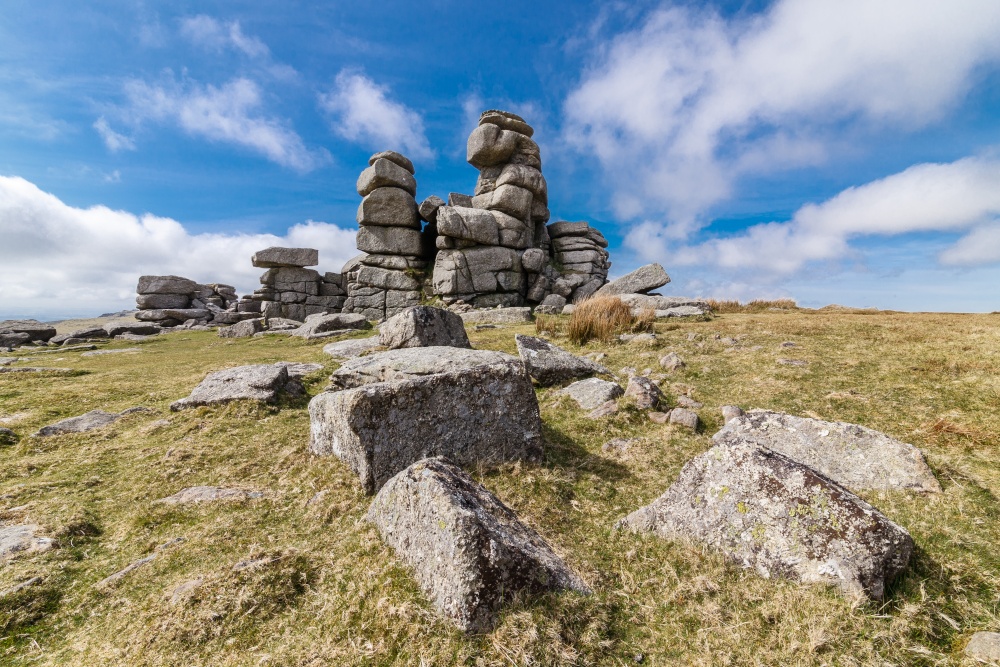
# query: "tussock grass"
{"type": "Point", "coordinates": [324, 590]}
{"type": "Point", "coordinates": [756, 306]}
{"type": "Point", "coordinates": [604, 318]}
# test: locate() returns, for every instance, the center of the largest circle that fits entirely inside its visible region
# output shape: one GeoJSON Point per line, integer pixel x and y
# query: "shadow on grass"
{"type": "Point", "coordinates": [562, 451]}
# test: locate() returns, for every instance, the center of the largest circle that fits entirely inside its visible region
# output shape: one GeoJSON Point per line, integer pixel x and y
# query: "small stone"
{"type": "Point", "coordinates": [671, 362]}
{"type": "Point", "coordinates": [659, 417]}
{"type": "Point", "coordinates": [22, 539]}
{"type": "Point", "coordinates": [800, 363]}
{"type": "Point", "coordinates": [788, 343]}
{"type": "Point", "coordinates": [8, 437]}
{"type": "Point", "coordinates": [731, 412]}
{"type": "Point", "coordinates": [688, 402]}
{"type": "Point", "coordinates": [685, 418]}
{"type": "Point", "coordinates": [984, 647]}
{"type": "Point", "coordinates": [122, 350]}
{"type": "Point", "coordinates": [619, 446]}
{"type": "Point", "coordinates": [604, 410]}
{"type": "Point", "coordinates": [644, 392]}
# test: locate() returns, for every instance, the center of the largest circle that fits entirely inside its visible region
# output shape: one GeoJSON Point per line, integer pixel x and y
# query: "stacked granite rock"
{"type": "Point", "coordinates": [171, 301]}
{"type": "Point", "coordinates": [485, 243]}
{"type": "Point", "coordinates": [289, 289]}
{"type": "Point", "coordinates": [388, 278]}
{"type": "Point", "coordinates": [579, 251]}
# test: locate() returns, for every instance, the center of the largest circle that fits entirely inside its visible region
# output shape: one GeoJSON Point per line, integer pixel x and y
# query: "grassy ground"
{"type": "Point", "coordinates": [323, 590]}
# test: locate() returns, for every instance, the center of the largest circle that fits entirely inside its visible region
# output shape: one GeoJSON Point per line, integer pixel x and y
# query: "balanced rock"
{"type": "Point", "coordinates": [166, 285]}
{"type": "Point", "coordinates": [423, 326]}
{"type": "Point", "coordinates": [856, 457]}
{"type": "Point", "coordinates": [244, 329]}
{"type": "Point", "coordinates": [644, 279]}
{"type": "Point", "coordinates": [411, 362]}
{"type": "Point", "coordinates": [484, 414]}
{"type": "Point", "coordinates": [468, 551]}
{"type": "Point", "coordinates": [394, 157]}
{"type": "Point", "coordinates": [259, 382]}
{"type": "Point", "coordinates": [781, 518]}
{"type": "Point", "coordinates": [385, 173]}
{"type": "Point", "coordinates": [549, 364]}
{"type": "Point", "coordinates": [592, 392]}
{"type": "Point", "coordinates": [275, 257]}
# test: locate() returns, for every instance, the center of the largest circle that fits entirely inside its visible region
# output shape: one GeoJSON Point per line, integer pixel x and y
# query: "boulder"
{"type": "Point", "coordinates": [489, 145]}
{"type": "Point", "coordinates": [781, 518]}
{"type": "Point", "coordinates": [517, 315]}
{"type": "Point", "coordinates": [984, 647]}
{"type": "Point", "coordinates": [85, 422]}
{"type": "Point", "coordinates": [290, 257]}
{"type": "Point", "coordinates": [205, 494]}
{"type": "Point", "coordinates": [176, 314]}
{"type": "Point", "coordinates": [644, 279]}
{"type": "Point", "coordinates": [90, 333]}
{"type": "Point", "coordinates": [329, 322]}
{"type": "Point", "coordinates": [158, 301]}
{"type": "Point", "coordinates": [654, 302]}
{"type": "Point", "coordinates": [677, 311]}
{"type": "Point", "coordinates": [350, 349]}
{"type": "Point", "coordinates": [644, 392]}
{"type": "Point", "coordinates": [140, 329]}
{"type": "Point", "coordinates": [549, 364]}
{"type": "Point", "coordinates": [387, 279]}
{"type": "Point", "coordinates": [259, 382]}
{"type": "Point", "coordinates": [423, 326]}
{"type": "Point", "coordinates": [856, 457]}
{"type": "Point", "coordinates": [671, 362]}
{"type": "Point", "coordinates": [563, 228]}
{"type": "Point", "coordinates": [385, 173]}
{"type": "Point", "coordinates": [14, 339]}
{"type": "Point", "coordinates": [507, 121]}
{"type": "Point", "coordinates": [686, 418]}
{"type": "Point", "coordinates": [468, 551]}
{"type": "Point", "coordinates": [166, 285]}
{"type": "Point", "coordinates": [428, 208]}
{"type": "Point", "coordinates": [592, 392]}
{"type": "Point", "coordinates": [484, 414]}
{"type": "Point", "coordinates": [392, 156]}
{"type": "Point", "coordinates": [470, 224]}
{"type": "Point", "coordinates": [389, 240]}
{"type": "Point", "coordinates": [34, 329]}
{"type": "Point", "coordinates": [411, 362]}
{"type": "Point", "coordinates": [21, 539]}
{"type": "Point", "coordinates": [389, 207]}
{"type": "Point", "coordinates": [244, 329]}
{"type": "Point", "coordinates": [8, 437]}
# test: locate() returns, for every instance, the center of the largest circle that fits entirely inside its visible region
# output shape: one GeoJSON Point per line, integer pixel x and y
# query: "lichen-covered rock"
{"type": "Point", "coordinates": [259, 382]}
{"type": "Point", "coordinates": [780, 518]}
{"type": "Point", "coordinates": [423, 326]}
{"type": "Point", "coordinates": [205, 494]}
{"type": "Point", "coordinates": [85, 422]}
{"type": "Point", "coordinates": [684, 417]}
{"type": "Point", "coordinates": [592, 392]}
{"type": "Point", "coordinates": [411, 362]}
{"type": "Point", "coordinates": [244, 329]}
{"type": "Point", "coordinates": [486, 413]}
{"type": "Point", "coordinates": [352, 348]}
{"type": "Point", "coordinates": [284, 257]}
{"type": "Point", "coordinates": [856, 457]}
{"type": "Point", "coordinates": [468, 551]}
{"type": "Point", "coordinates": [671, 362]}
{"type": "Point", "coordinates": [550, 364]}
{"type": "Point", "coordinates": [644, 279]}
{"type": "Point", "coordinates": [22, 539]}
{"type": "Point", "coordinates": [984, 647]}
{"type": "Point", "coordinates": [644, 392]}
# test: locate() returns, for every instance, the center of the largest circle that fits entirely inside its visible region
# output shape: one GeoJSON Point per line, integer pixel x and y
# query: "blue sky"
{"type": "Point", "coordinates": [831, 151]}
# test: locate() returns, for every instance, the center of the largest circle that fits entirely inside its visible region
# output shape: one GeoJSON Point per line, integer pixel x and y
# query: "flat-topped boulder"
{"type": "Point", "coordinates": [486, 414]}
{"type": "Point", "coordinates": [34, 329]}
{"type": "Point", "coordinates": [512, 315]}
{"type": "Point", "coordinates": [323, 324]}
{"type": "Point", "coordinates": [644, 279]}
{"type": "Point", "coordinates": [780, 518]}
{"type": "Point", "coordinates": [654, 302]}
{"type": "Point", "coordinates": [258, 382]}
{"type": "Point", "coordinates": [85, 422]}
{"type": "Point", "coordinates": [549, 364]}
{"type": "Point", "coordinates": [351, 348]}
{"type": "Point", "coordinates": [138, 328]}
{"type": "Point", "coordinates": [276, 257]}
{"type": "Point", "coordinates": [412, 362]}
{"type": "Point", "coordinates": [468, 551]}
{"type": "Point", "coordinates": [592, 393]}
{"type": "Point", "coordinates": [854, 456]}
{"type": "Point", "coordinates": [176, 314]}
{"type": "Point", "coordinates": [423, 326]}
{"type": "Point", "coordinates": [166, 285]}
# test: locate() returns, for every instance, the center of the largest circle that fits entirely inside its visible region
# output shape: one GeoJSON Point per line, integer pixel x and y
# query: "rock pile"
{"type": "Point", "coordinates": [14, 333]}
{"type": "Point", "coordinates": [579, 251]}
{"type": "Point", "coordinates": [171, 301]}
{"type": "Point", "coordinates": [388, 278]}
{"type": "Point", "coordinates": [289, 289]}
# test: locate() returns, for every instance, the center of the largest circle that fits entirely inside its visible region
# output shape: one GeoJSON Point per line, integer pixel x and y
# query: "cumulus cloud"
{"type": "Point", "coordinates": [113, 140]}
{"type": "Point", "coordinates": [679, 109]}
{"type": "Point", "coordinates": [956, 197]}
{"type": "Point", "coordinates": [231, 113]}
{"type": "Point", "coordinates": [57, 260]}
{"type": "Point", "coordinates": [365, 114]}
{"type": "Point", "coordinates": [210, 33]}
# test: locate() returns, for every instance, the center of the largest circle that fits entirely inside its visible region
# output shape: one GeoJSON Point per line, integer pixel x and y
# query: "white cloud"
{"type": "Point", "coordinates": [679, 109]}
{"type": "Point", "coordinates": [231, 113]}
{"type": "Point", "coordinates": [210, 33]}
{"type": "Point", "coordinates": [57, 260]}
{"type": "Point", "coordinates": [113, 140]}
{"type": "Point", "coordinates": [364, 113]}
{"type": "Point", "coordinates": [946, 198]}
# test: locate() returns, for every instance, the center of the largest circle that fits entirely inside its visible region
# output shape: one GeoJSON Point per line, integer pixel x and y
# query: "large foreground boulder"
{"type": "Point", "coordinates": [468, 551]}
{"type": "Point", "coordinates": [259, 382]}
{"type": "Point", "coordinates": [550, 364]}
{"type": "Point", "coordinates": [780, 518]}
{"type": "Point", "coordinates": [423, 326]}
{"type": "Point", "coordinates": [409, 363]}
{"type": "Point", "coordinates": [642, 280]}
{"type": "Point", "coordinates": [486, 413]}
{"type": "Point", "coordinates": [853, 456]}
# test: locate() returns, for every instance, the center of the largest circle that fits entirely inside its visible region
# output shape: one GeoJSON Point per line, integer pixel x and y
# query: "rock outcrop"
{"type": "Point", "coordinates": [14, 333]}
{"type": "Point", "coordinates": [170, 301]}
{"type": "Point", "coordinates": [468, 551]}
{"type": "Point", "coordinates": [289, 289]}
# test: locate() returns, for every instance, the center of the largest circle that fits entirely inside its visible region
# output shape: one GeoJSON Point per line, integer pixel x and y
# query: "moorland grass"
{"type": "Point", "coordinates": [317, 586]}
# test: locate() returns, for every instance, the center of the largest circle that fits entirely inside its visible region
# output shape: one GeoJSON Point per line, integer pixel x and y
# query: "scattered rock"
{"type": "Point", "coordinates": [243, 329]}
{"type": "Point", "coordinates": [7, 361]}
{"type": "Point", "coordinates": [639, 339]}
{"type": "Point", "coordinates": [124, 350]}
{"type": "Point", "coordinates": [856, 457]}
{"type": "Point", "coordinates": [659, 417]}
{"type": "Point", "coordinates": [780, 518]}
{"type": "Point", "coordinates": [85, 422]}
{"type": "Point", "coordinates": [483, 414]}
{"type": "Point", "coordinates": [184, 590]}
{"type": "Point", "coordinates": [592, 392]}
{"type": "Point", "coordinates": [410, 363]}
{"type": "Point", "coordinates": [671, 362]}
{"type": "Point", "coordinates": [259, 382]}
{"type": "Point", "coordinates": [350, 349]}
{"type": "Point", "coordinates": [8, 437]}
{"type": "Point", "coordinates": [788, 343]}
{"type": "Point", "coordinates": [642, 280]}
{"type": "Point", "coordinates": [119, 575]}
{"type": "Point", "coordinates": [731, 412]}
{"type": "Point", "coordinates": [516, 315]}
{"type": "Point", "coordinates": [22, 539]}
{"type": "Point", "coordinates": [299, 370]}
{"type": "Point", "coordinates": [688, 402]}
{"type": "Point", "coordinates": [469, 552]}
{"type": "Point", "coordinates": [549, 364]}
{"type": "Point", "coordinates": [603, 410]}
{"type": "Point", "coordinates": [684, 417]}
{"type": "Point", "coordinates": [91, 333]}
{"type": "Point", "coordinates": [203, 494]}
{"type": "Point", "coordinates": [793, 362]}
{"type": "Point", "coordinates": [424, 326]}
{"type": "Point", "coordinates": [34, 369]}
{"type": "Point", "coordinates": [984, 647]}
{"type": "Point", "coordinates": [644, 392]}
{"type": "Point", "coordinates": [619, 446]}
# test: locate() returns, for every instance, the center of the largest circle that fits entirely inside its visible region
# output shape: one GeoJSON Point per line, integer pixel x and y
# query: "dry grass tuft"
{"type": "Point", "coordinates": [755, 306]}
{"type": "Point", "coordinates": [946, 426]}
{"type": "Point", "coordinates": [604, 318]}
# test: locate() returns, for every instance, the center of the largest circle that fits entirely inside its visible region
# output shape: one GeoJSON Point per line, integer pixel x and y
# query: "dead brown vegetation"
{"type": "Point", "coordinates": [605, 318]}
{"type": "Point", "coordinates": [755, 306]}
